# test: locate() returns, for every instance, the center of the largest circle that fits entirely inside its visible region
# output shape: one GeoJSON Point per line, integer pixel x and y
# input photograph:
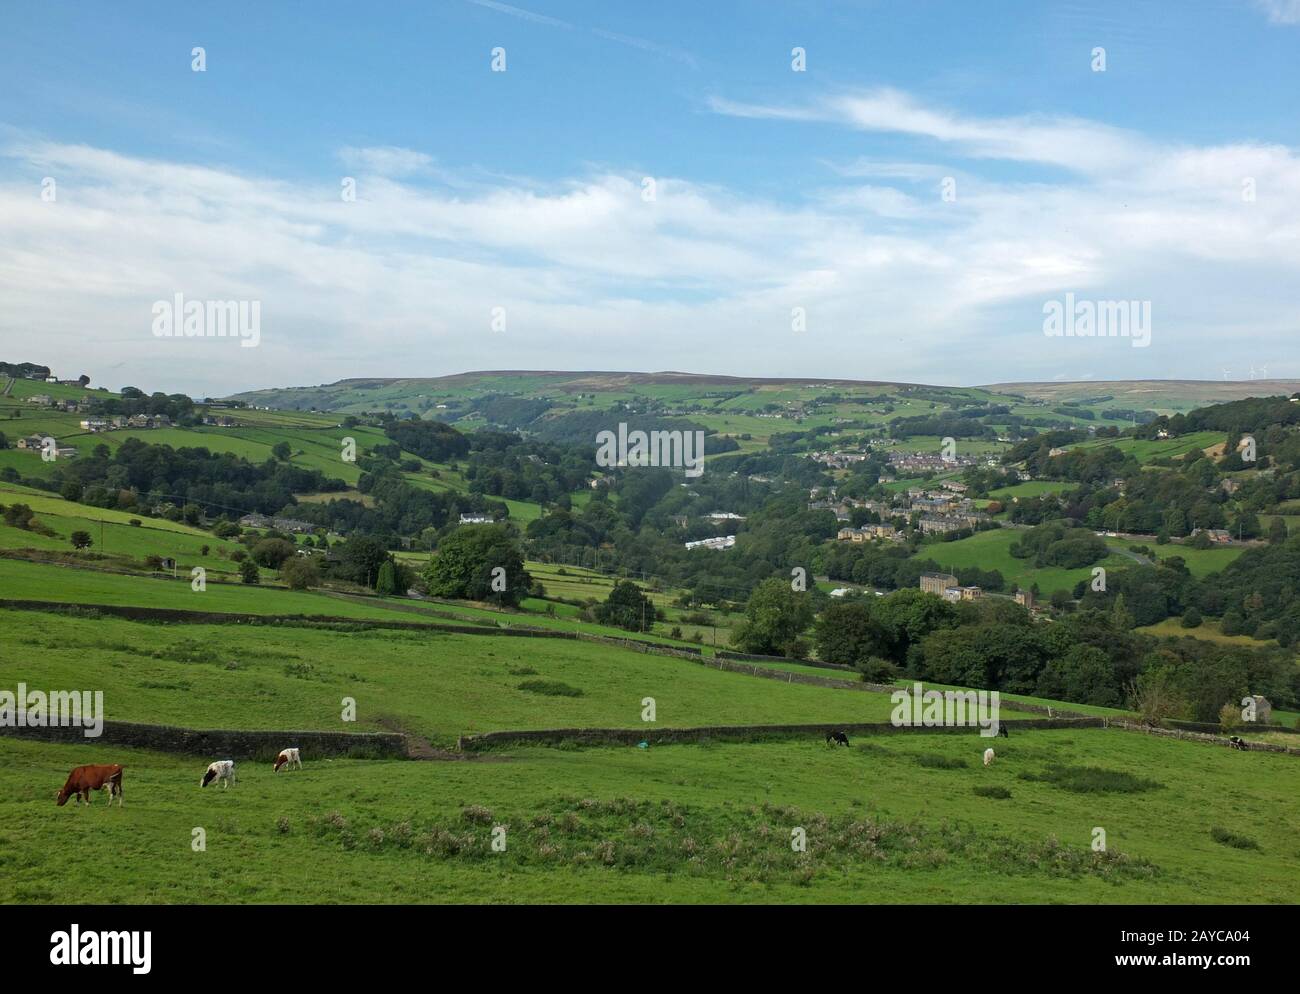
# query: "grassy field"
{"type": "Point", "coordinates": [912, 817]}
{"type": "Point", "coordinates": [1145, 451]}
{"type": "Point", "coordinates": [1032, 488]}
{"type": "Point", "coordinates": [892, 820]}
{"type": "Point", "coordinates": [1207, 630]}
{"type": "Point", "coordinates": [989, 550]}
{"type": "Point", "coordinates": [436, 685]}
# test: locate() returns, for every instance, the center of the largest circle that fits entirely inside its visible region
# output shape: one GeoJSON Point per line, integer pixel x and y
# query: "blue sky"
{"type": "Point", "coordinates": [520, 193]}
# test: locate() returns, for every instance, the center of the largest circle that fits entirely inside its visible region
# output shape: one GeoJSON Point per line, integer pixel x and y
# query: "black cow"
{"type": "Point", "coordinates": [1002, 730]}
{"type": "Point", "coordinates": [839, 738]}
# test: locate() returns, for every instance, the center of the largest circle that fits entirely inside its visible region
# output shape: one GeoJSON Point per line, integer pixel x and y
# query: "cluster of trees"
{"type": "Point", "coordinates": [1258, 594]}
{"type": "Point", "coordinates": [432, 440]}
{"type": "Point", "coordinates": [1089, 657]}
{"type": "Point", "coordinates": [140, 475]}
{"type": "Point", "coordinates": [1059, 544]}
{"type": "Point", "coordinates": [479, 563]}
{"type": "Point", "coordinates": [132, 400]}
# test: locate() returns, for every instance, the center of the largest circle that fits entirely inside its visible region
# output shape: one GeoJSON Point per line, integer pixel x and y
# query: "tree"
{"type": "Point", "coordinates": [626, 607]}
{"type": "Point", "coordinates": [1155, 697]}
{"type": "Point", "coordinates": [281, 451]}
{"type": "Point", "coordinates": [1191, 618]}
{"type": "Point", "coordinates": [300, 573]}
{"type": "Point", "coordinates": [775, 617]}
{"type": "Point", "coordinates": [81, 540]}
{"type": "Point", "coordinates": [1277, 531]}
{"type": "Point", "coordinates": [273, 552]}
{"type": "Point", "coordinates": [359, 560]}
{"type": "Point", "coordinates": [479, 562]}
{"type": "Point", "coordinates": [386, 583]}
{"type": "Point", "coordinates": [248, 572]}
{"type": "Point", "coordinates": [71, 490]}
{"type": "Point", "coordinates": [848, 634]}
{"type": "Point", "coordinates": [1084, 675]}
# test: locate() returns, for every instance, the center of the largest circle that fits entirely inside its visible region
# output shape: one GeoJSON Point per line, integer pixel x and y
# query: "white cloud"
{"type": "Point", "coordinates": [1080, 145]}
{"type": "Point", "coordinates": [897, 284]}
{"type": "Point", "coordinates": [1281, 11]}
{"type": "Point", "coordinates": [386, 160]}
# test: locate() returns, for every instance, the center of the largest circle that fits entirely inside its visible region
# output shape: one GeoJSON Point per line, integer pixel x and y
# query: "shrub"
{"type": "Point", "coordinates": [551, 688]}
{"type": "Point", "coordinates": [300, 573]}
{"type": "Point", "coordinates": [941, 762]}
{"type": "Point", "coordinates": [1224, 837]}
{"type": "Point", "coordinates": [1092, 780]}
{"type": "Point", "coordinates": [477, 813]}
{"type": "Point", "coordinates": [998, 793]}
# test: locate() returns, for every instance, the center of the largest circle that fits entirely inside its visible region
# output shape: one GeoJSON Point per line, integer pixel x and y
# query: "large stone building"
{"type": "Point", "coordinates": [937, 583]}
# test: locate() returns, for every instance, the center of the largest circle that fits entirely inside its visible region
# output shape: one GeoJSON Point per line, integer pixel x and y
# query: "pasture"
{"type": "Point", "coordinates": [433, 684]}
{"type": "Point", "coordinates": [892, 819]}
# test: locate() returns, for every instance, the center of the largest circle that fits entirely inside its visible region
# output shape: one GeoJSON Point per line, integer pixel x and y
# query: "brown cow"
{"type": "Point", "coordinates": [84, 779]}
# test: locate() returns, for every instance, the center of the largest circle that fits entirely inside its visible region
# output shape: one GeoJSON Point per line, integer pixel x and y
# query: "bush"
{"type": "Point", "coordinates": [248, 572]}
{"type": "Point", "coordinates": [81, 540]}
{"type": "Point", "coordinates": [1191, 618]}
{"type": "Point", "coordinates": [1092, 780]}
{"type": "Point", "coordinates": [273, 552]}
{"type": "Point", "coordinates": [1000, 793]}
{"type": "Point", "coordinates": [551, 688]}
{"type": "Point", "coordinates": [1224, 837]}
{"type": "Point", "coordinates": [626, 608]}
{"type": "Point", "coordinates": [941, 762]}
{"type": "Point", "coordinates": [300, 573]}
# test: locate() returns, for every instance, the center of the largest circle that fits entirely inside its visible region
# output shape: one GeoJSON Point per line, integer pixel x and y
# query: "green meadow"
{"type": "Point", "coordinates": [895, 819]}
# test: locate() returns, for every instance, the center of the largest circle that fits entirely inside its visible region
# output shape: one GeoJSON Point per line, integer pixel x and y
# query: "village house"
{"type": "Point", "coordinates": [476, 519]}
{"type": "Point", "coordinates": [722, 542]}
{"type": "Point", "coordinates": [944, 526]}
{"type": "Point", "coordinates": [1025, 598]}
{"type": "Point", "coordinates": [937, 583]}
{"type": "Point", "coordinates": [279, 524]}
{"type": "Point", "coordinates": [1219, 536]}
{"type": "Point", "coordinates": [867, 532]}
{"type": "Point", "coordinates": [43, 399]}
{"type": "Point", "coordinates": [1263, 709]}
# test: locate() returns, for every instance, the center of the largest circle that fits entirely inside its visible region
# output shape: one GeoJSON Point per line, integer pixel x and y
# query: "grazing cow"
{"type": "Point", "coordinates": [988, 757]}
{"type": "Point", "coordinates": [289, 758]}
{"type": "Point", "coordinates": [839, 738]}
{"type": "Point", "coordinates": [223, 770]}
{"type": "Point", "coordinates": [1239, 743]}
{"type": "Point", "coordinates": [83, 779]}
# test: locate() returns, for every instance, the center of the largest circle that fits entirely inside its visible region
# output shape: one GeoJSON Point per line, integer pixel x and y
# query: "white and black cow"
{"type": "Point", "coordinates": [223, 770]}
